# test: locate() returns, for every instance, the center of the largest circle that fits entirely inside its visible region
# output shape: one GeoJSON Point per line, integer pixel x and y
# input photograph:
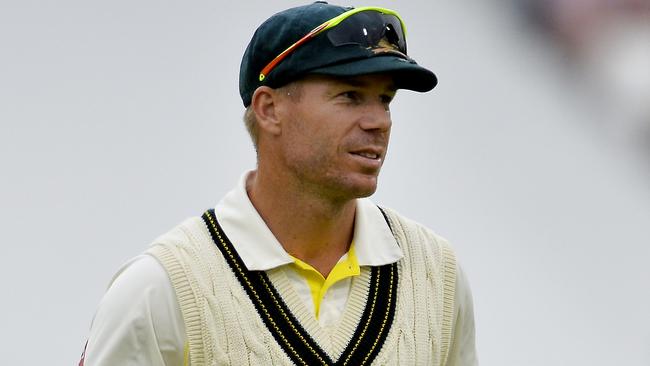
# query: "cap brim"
{"type": "Point", "coordinates": [408, 74]}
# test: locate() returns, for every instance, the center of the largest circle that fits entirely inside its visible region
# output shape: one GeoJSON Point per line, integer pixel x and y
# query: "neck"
{"type": "Point", "coordinates": [314, 229]}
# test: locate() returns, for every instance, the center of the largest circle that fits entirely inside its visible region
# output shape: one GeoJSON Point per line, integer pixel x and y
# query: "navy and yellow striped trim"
{"type": "Point", "coordinates": [300, 347]}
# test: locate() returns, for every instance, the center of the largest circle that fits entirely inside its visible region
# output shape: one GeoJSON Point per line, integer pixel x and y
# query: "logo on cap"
{"type": "Point", "coordinates": [385, 46]}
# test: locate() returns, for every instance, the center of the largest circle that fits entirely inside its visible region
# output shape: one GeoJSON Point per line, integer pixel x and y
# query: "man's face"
{"type": "Point", "coordinates": [335, 134]}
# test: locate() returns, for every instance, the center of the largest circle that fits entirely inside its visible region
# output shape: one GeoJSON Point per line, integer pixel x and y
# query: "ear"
{"type": "Point", "coordinates": [265, 106]}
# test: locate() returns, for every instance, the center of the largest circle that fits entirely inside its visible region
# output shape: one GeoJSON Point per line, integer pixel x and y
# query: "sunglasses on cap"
{"type": "Point", "coordinates": [377, 29]}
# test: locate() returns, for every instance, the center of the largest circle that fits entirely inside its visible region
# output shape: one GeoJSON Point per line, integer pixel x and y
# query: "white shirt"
{"type": "Point", "coordinates": [139, 322]}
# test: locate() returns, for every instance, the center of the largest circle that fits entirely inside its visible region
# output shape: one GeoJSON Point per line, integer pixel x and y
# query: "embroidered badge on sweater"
{"type": "Point", "coordinates": [300, 347]}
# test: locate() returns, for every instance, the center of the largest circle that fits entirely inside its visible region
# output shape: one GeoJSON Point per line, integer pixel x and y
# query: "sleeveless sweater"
{"type": "Point", "coordinates": [228, 323]}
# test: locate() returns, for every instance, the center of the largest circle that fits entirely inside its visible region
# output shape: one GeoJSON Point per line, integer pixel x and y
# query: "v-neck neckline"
{"type": "Point", "coordinates": [333, 339]}
{"type": "Point", "coordinates": [358, 339]}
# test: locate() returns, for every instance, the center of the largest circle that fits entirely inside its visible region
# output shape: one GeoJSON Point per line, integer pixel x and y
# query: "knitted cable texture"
{"type": "Point", "coordinates": [224, 328]}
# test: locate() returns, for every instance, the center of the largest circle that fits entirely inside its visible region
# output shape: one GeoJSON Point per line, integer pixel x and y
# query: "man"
{"type": "Point", "coordinates": [295, 266]}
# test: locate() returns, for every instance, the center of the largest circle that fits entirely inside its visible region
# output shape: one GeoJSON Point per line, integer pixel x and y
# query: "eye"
{"type": "Point", "coordinates": [351, 96]}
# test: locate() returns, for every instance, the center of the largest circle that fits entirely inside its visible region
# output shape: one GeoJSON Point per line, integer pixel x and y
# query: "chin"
{"type": "Point", "coordinates": [364, 187]}
{"type": "Point", "coordinates": [344, 187]}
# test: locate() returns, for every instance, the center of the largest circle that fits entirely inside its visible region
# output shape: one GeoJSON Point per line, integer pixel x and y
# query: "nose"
{"type": "Point", "coordinates": [376, 117]}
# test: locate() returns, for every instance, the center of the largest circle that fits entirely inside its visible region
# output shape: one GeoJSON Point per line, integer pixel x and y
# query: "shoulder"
{"type": "Point", "coordinates": [137, 315]}
{"type": "Point", "coordinates": [187, 231]}
{"type": "Point", "coordinates": [421, 236]}
{"type": "Point", "coordinates": [412, 231]}
{"type": "Point", "coordinates": [425, 252]}
{"type": "Point", "coordinates": [139, 290]}
{"type": "Point", "coordinates": [190, 239]}
{"type": "Point", "coordinates": [142, 276]}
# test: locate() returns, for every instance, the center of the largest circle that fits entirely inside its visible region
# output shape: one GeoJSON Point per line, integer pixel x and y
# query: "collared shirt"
{"type": "Point", "coordinates": [374, 245]}
{"type": "Point", "coordinates": [139, 320]}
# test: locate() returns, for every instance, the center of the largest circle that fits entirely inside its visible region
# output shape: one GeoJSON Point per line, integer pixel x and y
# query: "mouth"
{"type": "Point", "coordinates": [369, 158]}
{"type": "Point", "coordinates": [367, 155]}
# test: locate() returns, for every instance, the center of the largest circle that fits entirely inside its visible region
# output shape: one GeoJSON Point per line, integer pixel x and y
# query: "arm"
{"type": "Point", "coordinates": [463, 348]}
{"type": "Point", "coordinates": [138, 321]}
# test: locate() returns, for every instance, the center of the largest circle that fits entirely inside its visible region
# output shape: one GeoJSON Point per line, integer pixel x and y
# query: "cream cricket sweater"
{"type": "Point", "coordinates": [228, 322]}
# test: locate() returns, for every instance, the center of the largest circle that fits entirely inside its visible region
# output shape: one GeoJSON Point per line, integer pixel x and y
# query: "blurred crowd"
{"type": "Point", "coordinates": [606, 43]}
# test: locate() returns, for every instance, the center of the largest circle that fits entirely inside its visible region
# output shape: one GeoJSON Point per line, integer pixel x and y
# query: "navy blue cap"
{"type": "Point", "coordinates": [318, 55]}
